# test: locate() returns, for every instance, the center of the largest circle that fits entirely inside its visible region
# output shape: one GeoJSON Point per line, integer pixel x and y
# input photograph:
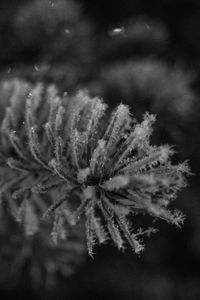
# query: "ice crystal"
{"type": "Point", "coordinates": [88, 163]}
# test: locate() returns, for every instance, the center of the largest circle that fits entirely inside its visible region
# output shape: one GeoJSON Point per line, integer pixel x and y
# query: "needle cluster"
{"type": "Point", "coordinates": [67, 158]}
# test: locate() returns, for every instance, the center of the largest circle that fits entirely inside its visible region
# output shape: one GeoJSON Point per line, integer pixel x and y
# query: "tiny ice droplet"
{"type": "Point", "coordinates": [52, 3]}
{"type": "Point", "coordinates": [147, 26]}
{"type": "Point", "coordinates": [36, 68]}
{"type": "Point", "coordinates": [117, 31]}
{"type": "Point", "coordinates": [9, 70]}
{"type": "Point", "coordinates": [67, 31]}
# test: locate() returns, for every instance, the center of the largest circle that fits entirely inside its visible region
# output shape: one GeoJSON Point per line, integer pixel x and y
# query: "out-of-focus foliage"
{"type": "Point", "coordinates": [53, 42]}
{"type": "Point", "coordinates": [136, 37]}
{"type": "Point", "coordinates": [150, 83]}
{"type": "Point", "coordinates": [55, 30]}
{"type": "Point", "coordinates": [37, 258]}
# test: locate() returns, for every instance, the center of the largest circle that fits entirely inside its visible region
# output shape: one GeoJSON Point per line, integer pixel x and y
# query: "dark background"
{"type": "Point", "coordinates": [152, 63]}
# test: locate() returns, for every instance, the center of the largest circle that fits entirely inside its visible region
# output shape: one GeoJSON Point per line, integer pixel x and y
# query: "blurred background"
{"type": "Point", "coordinates": [139, 52]}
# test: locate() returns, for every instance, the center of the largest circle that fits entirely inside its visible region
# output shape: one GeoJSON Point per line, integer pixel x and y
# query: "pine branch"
{"type": "Point", "coordinates": [110, 167]}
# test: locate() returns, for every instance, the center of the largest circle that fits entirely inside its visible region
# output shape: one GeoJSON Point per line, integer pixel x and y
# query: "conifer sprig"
{"type": "Point", "coordinates": [70, 149]}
